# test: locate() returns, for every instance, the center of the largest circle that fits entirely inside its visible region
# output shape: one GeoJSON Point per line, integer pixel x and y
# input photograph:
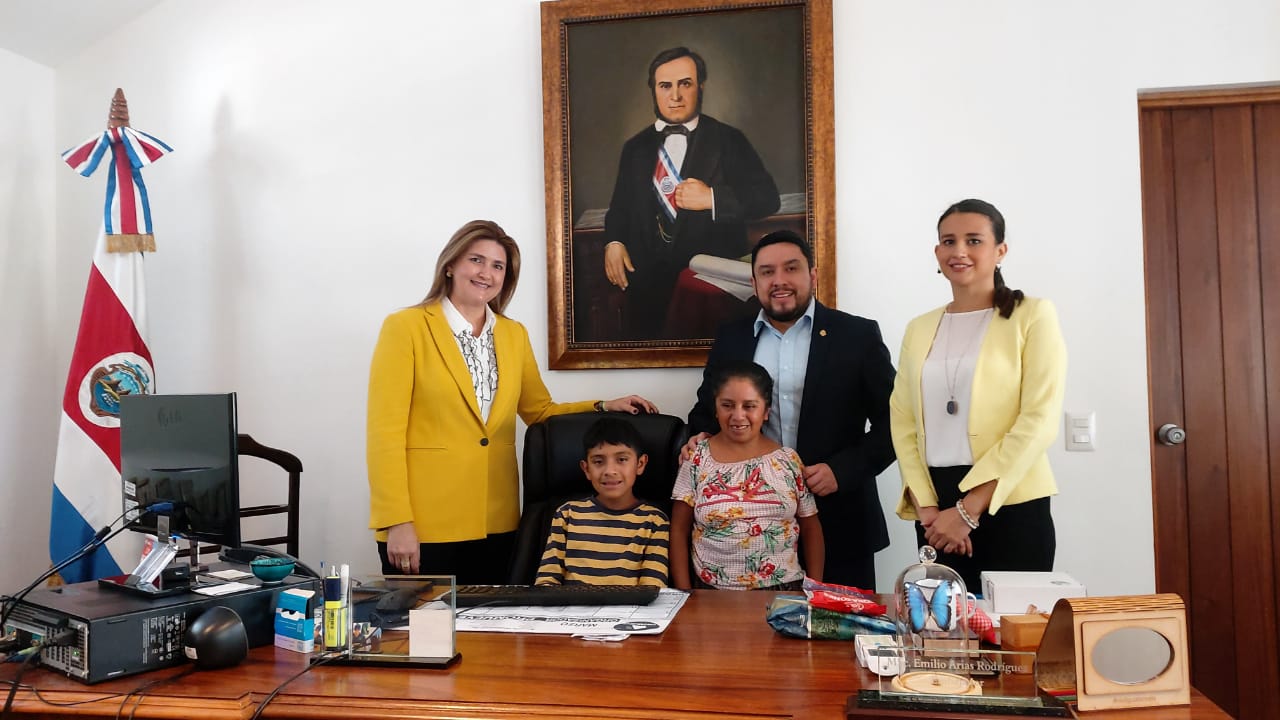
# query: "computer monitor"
{"type": "Point", "coordinates": [182, 449]}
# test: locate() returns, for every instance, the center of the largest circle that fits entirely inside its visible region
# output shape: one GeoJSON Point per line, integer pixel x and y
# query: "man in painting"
{"type": "Point", "coordinates": [687, 184]}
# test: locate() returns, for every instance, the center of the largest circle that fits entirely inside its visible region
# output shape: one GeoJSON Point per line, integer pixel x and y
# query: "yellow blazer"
{"type": "Point", "coordinates": [1013, 419]}
{"type": "Point", "coordinates": [431, 458]}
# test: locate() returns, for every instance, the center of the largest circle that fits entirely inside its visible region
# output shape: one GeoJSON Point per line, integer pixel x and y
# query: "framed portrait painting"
{"type": "Point", "coordinates": [677, 134]}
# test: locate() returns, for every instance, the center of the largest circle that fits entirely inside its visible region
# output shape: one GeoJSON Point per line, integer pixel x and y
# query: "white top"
{"type": "Point", "coordinates": [947, 376]}
{"type": "Point", "coordinates": [677, 145]}
{"type": "Point", "coordinates": [477, 352]}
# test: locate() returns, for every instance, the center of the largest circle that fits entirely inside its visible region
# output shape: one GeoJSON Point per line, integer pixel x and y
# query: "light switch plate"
{"type": "Point", "coordinates": [1081, 431]}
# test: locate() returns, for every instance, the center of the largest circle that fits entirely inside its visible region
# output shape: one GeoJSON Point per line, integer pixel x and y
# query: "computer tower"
{"type": "Point", "coordinates": [119, 634]}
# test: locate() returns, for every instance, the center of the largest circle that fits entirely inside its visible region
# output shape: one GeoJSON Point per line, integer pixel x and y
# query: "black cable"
{"type": "Point", "coordinates": [319, 661]}
{"type": "Point", "coordinates": [142, 690]}
{"type": "Point", "coordinates": [57, 638]}
{"type": "Point", "coordinates": [17, 680]}
{"type": "Point", "coordinates": [99, 539]}
{"type": "Point", "coordinates": [108, 696]}
{"type": "Point", "coordinates": [73, 703]}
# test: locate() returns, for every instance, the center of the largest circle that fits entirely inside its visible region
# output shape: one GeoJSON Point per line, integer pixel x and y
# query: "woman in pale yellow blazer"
{"type": "Point", "coordinates": [449, 375]}
{"type": "Point", "coordinates": [975, 406]}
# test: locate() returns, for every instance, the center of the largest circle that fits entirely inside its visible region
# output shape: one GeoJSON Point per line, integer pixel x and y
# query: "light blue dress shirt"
{"type": "Point", "coordinates": [786, 357]}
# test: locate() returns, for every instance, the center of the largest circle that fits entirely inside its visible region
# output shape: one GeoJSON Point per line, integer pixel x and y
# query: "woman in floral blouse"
{"type": "Point", "coordinates": [742, 499]}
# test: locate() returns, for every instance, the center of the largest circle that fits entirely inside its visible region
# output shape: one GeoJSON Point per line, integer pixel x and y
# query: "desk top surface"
{"type": "Point", "coordinates": [719, 658]}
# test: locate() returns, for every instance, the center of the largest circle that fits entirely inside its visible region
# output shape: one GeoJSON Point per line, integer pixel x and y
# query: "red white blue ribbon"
{"type": "Point", "coordinates": [126, 211]}
{"type": "Point", "coordinates": [665, 179]}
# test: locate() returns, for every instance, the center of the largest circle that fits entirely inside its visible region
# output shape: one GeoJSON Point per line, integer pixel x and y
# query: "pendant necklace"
{"type": "Point", "coordinates": [952, 374]}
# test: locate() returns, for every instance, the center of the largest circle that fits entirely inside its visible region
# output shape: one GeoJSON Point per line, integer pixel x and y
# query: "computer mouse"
{"type": "Point", "coordinates": [398, 601]}
{"type": "Point", "coordinates": [216, 639]}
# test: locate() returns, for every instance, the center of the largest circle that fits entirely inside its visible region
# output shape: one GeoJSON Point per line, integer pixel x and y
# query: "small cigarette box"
{"type": "Point", "coordinates": [295, 620]}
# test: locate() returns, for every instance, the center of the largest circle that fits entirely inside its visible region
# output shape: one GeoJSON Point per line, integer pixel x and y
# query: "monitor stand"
{"type": "Point", "coordinates": [193, 554]}
{"type": "Point", "coordinates": [174, 579]}
{"type": "Point", "coordinates": [131, 585]}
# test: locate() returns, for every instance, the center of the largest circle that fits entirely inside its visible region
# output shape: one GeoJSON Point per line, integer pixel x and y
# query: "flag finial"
{"type": "Point", "coordinates": [119, 114]}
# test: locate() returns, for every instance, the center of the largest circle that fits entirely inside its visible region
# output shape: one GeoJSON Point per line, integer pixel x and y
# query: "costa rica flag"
{"type": "Point", "coordinates": [111, 359]}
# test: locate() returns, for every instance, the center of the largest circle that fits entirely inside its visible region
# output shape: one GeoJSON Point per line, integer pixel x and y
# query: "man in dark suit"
{"type": "Point", "coordinates": [686, 185]}
{"type": "Point", "coordinates": [832, 374]}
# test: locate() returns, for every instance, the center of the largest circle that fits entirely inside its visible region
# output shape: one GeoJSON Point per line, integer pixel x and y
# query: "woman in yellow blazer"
{"type": "Point", "coordinates": [975, 406]}
{"type": "Point", "coordinates": [449, 375]}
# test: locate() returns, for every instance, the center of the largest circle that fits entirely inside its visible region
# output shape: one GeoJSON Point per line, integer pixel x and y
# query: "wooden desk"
{"type": "Point", "coordinates": [718, 659]}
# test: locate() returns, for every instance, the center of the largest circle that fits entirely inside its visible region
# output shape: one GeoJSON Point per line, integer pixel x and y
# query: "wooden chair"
{"type": "Point", "coordinates": [246, 445]}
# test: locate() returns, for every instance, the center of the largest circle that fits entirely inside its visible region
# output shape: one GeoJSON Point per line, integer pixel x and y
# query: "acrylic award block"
{"type": "Point", "coordinates": [941, 665]}
{"type": "Point", "coordinates": [400, 621]}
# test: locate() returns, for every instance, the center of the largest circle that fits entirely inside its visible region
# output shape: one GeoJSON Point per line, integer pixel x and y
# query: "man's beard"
{"type": "Point", "coordinates": [795, 313]}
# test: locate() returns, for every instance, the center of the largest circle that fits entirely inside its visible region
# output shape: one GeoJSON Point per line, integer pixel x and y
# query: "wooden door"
{"type": "Point", "coordinates": [1211, 216]}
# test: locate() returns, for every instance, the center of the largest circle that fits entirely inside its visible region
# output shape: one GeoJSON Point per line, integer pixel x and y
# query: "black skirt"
{"type": "Point", "coordinates": [1017, 537]}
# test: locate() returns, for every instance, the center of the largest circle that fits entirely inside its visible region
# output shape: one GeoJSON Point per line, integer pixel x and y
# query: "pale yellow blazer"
{"type": "Point", "coordinates": [431, 458]}
{"type": "Point", "coordinates": [1016, 407]}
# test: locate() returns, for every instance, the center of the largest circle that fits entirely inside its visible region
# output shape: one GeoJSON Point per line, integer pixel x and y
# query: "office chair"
{"type": "Point", "coordinates": [552, 450]}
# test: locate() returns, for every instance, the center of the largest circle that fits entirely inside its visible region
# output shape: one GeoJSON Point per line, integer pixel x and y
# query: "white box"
{"type": "Point", "coordinates": [1010, 593]}
{"type": "Point", "coordinates": [878, 664]}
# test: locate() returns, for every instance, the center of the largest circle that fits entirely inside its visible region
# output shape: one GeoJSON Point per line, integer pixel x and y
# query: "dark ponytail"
{"type": "Point", "coordinates": [1006, 299]}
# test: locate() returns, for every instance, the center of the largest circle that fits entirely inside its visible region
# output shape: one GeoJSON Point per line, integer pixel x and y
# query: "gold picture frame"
{"type": "Point", "coordinates": [768, 71]}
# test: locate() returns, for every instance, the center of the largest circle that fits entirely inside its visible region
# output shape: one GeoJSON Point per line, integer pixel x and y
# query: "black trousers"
{"type": "Point", "coordinates": [486, 561]}
{"type": "Point", "coordinates": [1017, 537]}
{"type": "Point", "coordinates": [848, 568]}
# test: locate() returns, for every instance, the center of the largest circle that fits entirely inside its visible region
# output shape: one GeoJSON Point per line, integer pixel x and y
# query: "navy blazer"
{"type": "Point", "coordinates": [847, 383]}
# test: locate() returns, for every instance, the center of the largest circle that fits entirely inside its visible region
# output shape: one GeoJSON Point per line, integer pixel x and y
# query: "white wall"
{"type": "Point", "coordinates": [29, 423]}
{"type": "Point", "coordinates": [1032, 106]}
{"type": "Point", "coordinates": [326, 150]}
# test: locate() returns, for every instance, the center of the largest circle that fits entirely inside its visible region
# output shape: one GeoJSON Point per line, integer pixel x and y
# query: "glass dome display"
{"type": "Point", "coordinates": [933, 620]}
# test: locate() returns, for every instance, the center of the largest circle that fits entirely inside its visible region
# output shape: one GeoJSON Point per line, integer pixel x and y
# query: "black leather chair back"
{"type": "Point", "coordinates": [552, 451]}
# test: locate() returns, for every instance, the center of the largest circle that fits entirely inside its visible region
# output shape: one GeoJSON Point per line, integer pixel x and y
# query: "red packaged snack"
{"type": "Point", "coordinates": [855, 604]}
{"type": "Point", "coordinates": [842, 598]}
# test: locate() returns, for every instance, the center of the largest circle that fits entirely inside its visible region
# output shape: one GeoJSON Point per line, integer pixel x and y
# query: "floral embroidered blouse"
{"type": "Point", "coordinates": [744, 517]}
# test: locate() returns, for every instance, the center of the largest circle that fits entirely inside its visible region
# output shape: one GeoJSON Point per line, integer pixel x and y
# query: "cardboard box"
{"type": "Point", "coordinates": [295, 620]}
{"type": "Point", "coordinates": [1011, 593]}
{"type": "Point", "coordinates": [1022, 632]}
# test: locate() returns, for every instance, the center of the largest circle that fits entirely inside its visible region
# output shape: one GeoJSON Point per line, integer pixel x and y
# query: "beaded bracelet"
{"type": "Point", "coordinates": [964, 515]}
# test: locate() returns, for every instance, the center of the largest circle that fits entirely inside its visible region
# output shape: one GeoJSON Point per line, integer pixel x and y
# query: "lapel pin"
{"type": "Point", "coordinates": [822, 333]}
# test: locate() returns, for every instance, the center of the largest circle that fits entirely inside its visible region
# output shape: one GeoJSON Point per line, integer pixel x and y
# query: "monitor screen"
{"type": "Point", "coordinates": [182, 449]}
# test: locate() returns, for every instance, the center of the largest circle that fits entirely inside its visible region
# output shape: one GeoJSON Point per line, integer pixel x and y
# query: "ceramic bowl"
{"type": "Point", "coordinates": [271, 569]}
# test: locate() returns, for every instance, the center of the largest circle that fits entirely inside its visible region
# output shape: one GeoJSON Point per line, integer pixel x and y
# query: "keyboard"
{"type": "Point", "coordinates": [473, 595]}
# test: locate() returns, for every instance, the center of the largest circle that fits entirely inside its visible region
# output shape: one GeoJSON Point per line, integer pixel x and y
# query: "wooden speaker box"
{"type": "Point", "coordinates": [1117, 652]}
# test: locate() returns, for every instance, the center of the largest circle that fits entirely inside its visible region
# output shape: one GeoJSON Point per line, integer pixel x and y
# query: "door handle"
{"type": "Point", "coordinates": [1170, 434]}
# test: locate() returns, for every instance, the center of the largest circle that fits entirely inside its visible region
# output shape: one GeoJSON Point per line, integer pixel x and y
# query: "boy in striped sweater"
{"type": "Point", "coordinates": [610, 538]}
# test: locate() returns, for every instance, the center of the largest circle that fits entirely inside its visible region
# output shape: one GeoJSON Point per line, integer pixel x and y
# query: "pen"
{"type": "Point", "coordinates": [344, 629]}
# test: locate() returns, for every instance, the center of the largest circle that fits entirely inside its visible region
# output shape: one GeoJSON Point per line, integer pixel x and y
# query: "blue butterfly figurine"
{"type": "Point", "coordinates": [938, 607]}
